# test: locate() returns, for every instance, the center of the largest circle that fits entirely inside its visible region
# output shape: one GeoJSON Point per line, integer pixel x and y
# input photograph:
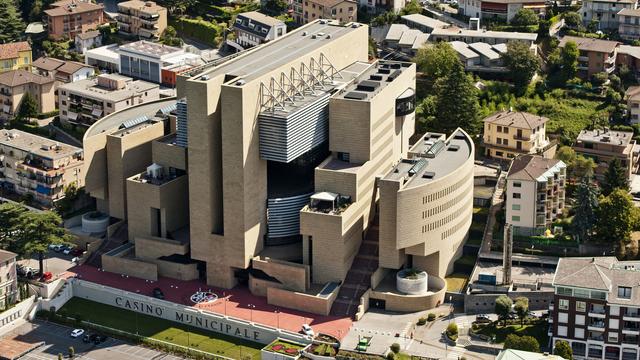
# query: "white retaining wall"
{"type": "Point", "coordinates": [179, 313]}
{"type": "Point", "coordinates": [20, 311]}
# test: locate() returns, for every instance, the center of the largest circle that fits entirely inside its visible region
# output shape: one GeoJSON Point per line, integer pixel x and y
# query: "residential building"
{"type": "Point", "coordinates": [381, 6]}
{"type": "Point", "coordinates": [629, 56]}
{"type": "Point", "coordinates": [141, 19]}
{"type": "Point", "coordinates": [106, 58]}
{"type": "Point", "coordinates": [605, 145]}
{"type": "Point", "coordinates": [406, 40]}
{"type": "Point", "coordinates": [344, 11]}
{"type": "Point", "coordinates": [287, 217]}
{"type": "Point", "coordinates": [63, 71]}
{"type": "Point", "coordinates": [629, 24]}
{"type": "Point", "coordinates": [88, 40]}
{"type": "Point", "coordinates": [508, 134]}
{"type": "Point", "coordinates": [596, 307]}
{"type": "Point", "coordinates": [38, 166]}
{"type": "Point", "coordinates": [596, 55]}
{"type": "Point", "coordinates": [485, 36]}
{"type": "Point", "coordinates": [14, 56]}
{"type": "Point", "coordinates": [8, 278]}
{"type": "Point", "coordinates": [254, 28]}
{"type": "Point", "coordinates": [535, 193]}
{"type": "Point", "coordinates": [15, 84]}
{"type": "Point", "coordinates": [66, 18]}
{"type": "Point", "coordinates": [423, 23]}
{"type": "Point", "coordinates": [146, 60]}
{"type": "Point", "coordinates": [633, 104]}
{"type": "Point", "coordinates": [85, 101]}
{"type": "Point", "coordinates": [481, 57]}
{"type": "Point", "coordinates": [503, 10]}
{"type": "Point", "coordinates": [510, 354]}
{"type": "Point", "coordinates": [605, 12]}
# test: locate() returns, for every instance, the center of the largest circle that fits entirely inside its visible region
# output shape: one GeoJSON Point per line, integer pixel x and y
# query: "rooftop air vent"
{"type": "Point", "coordinates": [328, 36]}
{"type": "Point", "coordinates": [458, 136]}
{"type": "Point", "coordinates": [375, 77]}
{"type": "Point", "coordinates": [393, 75]}
{"type": "Point", "coordinates": [304, 33]}
{"type": "Point", "coordinates": [240, 82]}
{"type": "Point", "coordinates": [368, 85]}
{"type": "Point", "coordinates": [384, 71]}
{"type": "Point", "coordinates": [313, 36]}
{"type": "Point", "coordinates": [354, 95]}
{"type": "Point", "coordinates": [453, 148]}
{"type": "Point", "coordinates": [428, 175]}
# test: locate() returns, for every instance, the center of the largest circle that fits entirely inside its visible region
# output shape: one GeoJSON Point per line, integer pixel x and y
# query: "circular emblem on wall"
{"type": "Point", "coordinates": [201, 297]}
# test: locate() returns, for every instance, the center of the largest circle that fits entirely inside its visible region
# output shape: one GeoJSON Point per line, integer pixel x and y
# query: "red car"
{"type": "Point", "coordinates": [47, 276]}
{"type": "Point", "coordinates": [77, 252]}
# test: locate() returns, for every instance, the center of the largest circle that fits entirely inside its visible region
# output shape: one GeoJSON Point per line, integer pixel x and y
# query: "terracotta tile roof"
{"type": "Point", "coordinates": [61, 8]}
{"type": "Point", "coordinates": [516, 119]}
{"type": "Point", "coordinates": [330, 3]}
{"type": "Point", "coordinates": [6, 255]}
{"type": "Point", "coordinates": [47, 63]}
{"type": "Point", "coordinates": [71, 67]}
{"type": "Point", "coordinates": [88, 34]}
{"type": "Point", "coordinates": [589, 44]}
{"type": "Point", "coordinates": [12, 50]}
{"type": "Point", "coordinates": [532, 167]}
{"type": "Point", "coordinates": [21, 77]}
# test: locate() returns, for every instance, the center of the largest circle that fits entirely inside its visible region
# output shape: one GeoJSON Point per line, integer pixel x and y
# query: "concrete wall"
{"type": "Point", "coordinates": [182, 314]}
{"type": "Point", "coordinates": [169, 154]}
{"type": "Point", "coordinates": [293, 276]}
{"type": "Point", "coordinates": [19, 311]}
{"type": "Point", "coordinates": [177, 270]}
{"type": "Point", "coordinates": [413, 303]}
{"type": "Point", "coordinates": [485, 303]}
{"type": "Point", "coordinates": [151, 248]}
{"type": "Point", "coordinates": [299, 301]}
{"type": "Point", "coordinates": [130, 267]}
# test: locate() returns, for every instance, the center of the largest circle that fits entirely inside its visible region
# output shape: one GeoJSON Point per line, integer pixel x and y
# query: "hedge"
{"type": "Point", "coordinates": [201, 30]}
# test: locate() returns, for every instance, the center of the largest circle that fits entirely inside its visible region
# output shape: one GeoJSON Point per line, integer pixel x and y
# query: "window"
{"type": "Point", "coordinates": [613, 337]}
{"type": "Point", "coordinates": [562, 331]}
{"type": "Point", "coordinates": [563, 318]}
{"type": "Point", "coordinates": [344, 156]}
{"type": "Point", "coordinates": [499, 128]}
{"type": "Point", "coordinates": [515, 207]}
{"type": "Point", "coordinates": [563, 304]}
{"type": "Point", "coordinates": [581, 293]}
{"type": "Point", "coordinates": [578, 333]}
{"type": "Point", "coordinates": [517, 184]}
{"type": "Point", "coordinates": [515, 218]}
{"type": "Point", "coordinates": [624, 292]}
{"type": "Point", "coordinates": [579, 349]}
{"type": "Point", "coordinates": [505, 141]}
{"type": "Point", "coordinates": [614, 324]}
{"type": "Point", "coordinates": [580, 319]}
{"type": "Point", "coordinates": [499, 153]}
{"type": "Point", "coordinates": [581, 306]}
{"type": "Point", "coordinates": [564, 291]}
{"type": "Point", "coordinates": [516, 196]}
{"type": "Point", "coordinates": [595, 351]}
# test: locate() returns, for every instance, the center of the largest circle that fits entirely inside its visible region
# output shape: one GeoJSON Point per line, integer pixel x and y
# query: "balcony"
{"type": "Point", "coordinates": [630, 339]}
{"type": "Point", "coordinates": [597, 325]}
{"type": "Point", "coordinates": [521, 137]}
{"type": "Point", "coordinates": [596, 336]}
{"type": "Point", "coordinates": [631, 315]}
{"type": "Point", "coordinates": [597, 311]}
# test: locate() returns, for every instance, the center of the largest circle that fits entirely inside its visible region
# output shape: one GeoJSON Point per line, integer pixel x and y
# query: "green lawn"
{"type": "Point", "coordinates": [538, 331]}
{"type": "Point", "coordinates": [161, 329]}
{"type": "Point", "coordinates": [456, 282]}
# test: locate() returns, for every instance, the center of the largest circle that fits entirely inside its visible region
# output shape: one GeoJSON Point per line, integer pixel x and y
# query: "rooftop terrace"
{"type": "Point", "coordinates": [621, 138]}
{"type": "Point", "coordinates": [37, 145]}
{"type": "Point", "coordinates": [373, 80]}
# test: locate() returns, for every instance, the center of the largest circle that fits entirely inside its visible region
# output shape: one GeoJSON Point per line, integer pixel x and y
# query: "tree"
{"type": "Point", "coordinates": [615, 178]}
{"type": "Point", "coordinates": [463, 112]}
{"type": "Point", "coordinates": [436, 60]}
{"type": "Point", "coordinates": [28, 107]}
{"type": "Point", "coordinates": [524, 343]}
{"type": "Point", "coordinates": [563, 349]}
{"type": "Point", "coordinates": [569, 60]}
{"type": "Point", "coordinates": [412, 7]}
{"type": "Point", "coordinates": [573, 20]}
{"type": "Point", "coordinates": [522, 309]}
{"type": "Point", "coordinates": [525, 17]}
{"type": "Point", "coordinates": [615, 217]}
{"type": "Point", "coordinates": [503, 307]}
{"type": "Point", "coordinates": [598, 79]}
{"type": "Point", "coordinates": [522, 64]}
{"type": "Point", "coordinates": [11, 24]}
{"type": "Point", "coordinates": [170, 37]}
{"type": "Point", "coordinates": [38, 230]}
{"type": "Point", "coordinates": [9, 218]}
{"type": "Point", "coordinates": [276, 7]}
{"type": "Point", "coordinates": [586, 206]}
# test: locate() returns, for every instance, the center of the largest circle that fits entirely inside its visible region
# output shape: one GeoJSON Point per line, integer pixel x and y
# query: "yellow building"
{"type": "Point", "coordinates": [14, 56]}
{"type": "Point", "coordinates": [511, 133]}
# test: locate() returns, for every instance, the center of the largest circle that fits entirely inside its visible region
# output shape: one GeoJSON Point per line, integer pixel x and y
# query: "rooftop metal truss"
{"type": "Point", "coordinates": [289, 88]}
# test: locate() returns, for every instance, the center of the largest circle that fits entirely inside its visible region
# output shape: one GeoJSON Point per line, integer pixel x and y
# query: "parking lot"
{"type": "Point", "coordinates": [54, 262]}
{"type": "Point", "coordinates": [57, 340]}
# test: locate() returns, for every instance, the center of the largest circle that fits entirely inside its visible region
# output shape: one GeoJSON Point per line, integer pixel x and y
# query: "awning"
{"type": "Point", "coordinates": [96, 112]}
{"type": "Point", "coordinates": [71, 115]}
{"type": "Point", "coordinates": [324, 196]}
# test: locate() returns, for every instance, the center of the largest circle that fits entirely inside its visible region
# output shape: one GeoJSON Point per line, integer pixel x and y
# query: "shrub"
{"type": "Point", "coordinates": [395, 347]}
{"type": "Point", "coordinates": [59, 356]}
{"type": "Point", "coordinates": [422, 321]}
{"type": "Point", "coordinates": [72, 352]}
{"type": "Point", "coordinates": [431, 317]}
{"type": "Point", "coordinates": [452, 329]}
{"type": "Point", "coordinates": [205, 31]}
{"type": "Point", "coordinates": [391, 355]}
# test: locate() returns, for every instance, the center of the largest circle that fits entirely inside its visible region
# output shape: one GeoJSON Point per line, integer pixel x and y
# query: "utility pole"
{"type": "Point", "coordinates": [507, 254]}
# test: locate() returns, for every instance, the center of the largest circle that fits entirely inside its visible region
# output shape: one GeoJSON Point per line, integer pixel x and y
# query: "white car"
{"type": "Point", "coordinates": [67, 250]}
{"type": "Point", "coordinates": [56, 247]}
{"type": "Point", "coordinates": [307, 330]}
{"type": "Point", "coordinates": [77, 333]}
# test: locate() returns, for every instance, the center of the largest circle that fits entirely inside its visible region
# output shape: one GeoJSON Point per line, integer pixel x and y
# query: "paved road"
{"type": "Point", "coordinates": [57, 340]}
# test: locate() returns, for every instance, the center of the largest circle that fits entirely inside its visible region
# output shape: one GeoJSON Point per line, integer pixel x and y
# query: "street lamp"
{"type": "Point", "coordinates": [251, 307]}
{"type": "Point", "coordinates": [278, 318]}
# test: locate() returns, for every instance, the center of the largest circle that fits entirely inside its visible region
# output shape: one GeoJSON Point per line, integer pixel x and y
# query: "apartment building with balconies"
{"type": "Point", "coordinates": [8, 279]}
{"type": "Point", "coordinates": [66, 18]}
{"type": "Point", "coordinates": [84, 102]}
{"type": "Point", "coordinates": [508, 134]}
{"type": "Point", "coordinates": [63, 71]}
{"type": "Point", "coordinates": [343, 11]}
{"type": "Point", "coordinates": [254, 28]}
{"type": "Point", "coordinates": [629, 28]}
{"type": "Point", "coordinates": [15, 84]}
{"type": "Point", "coordinates": [596, 55]}
{"type": "Point", "coordinates": [535, 193]}
{"type": "Point", "coordinates": [141, 19]}
{"type": "Point", "coordinates": [604, 145]}
{"type": "Point", "coordinates": [503, 10]}
{"type": "Point", "coordinates": [37, 166]}
{"type": "Point", "coordinates": [596, 307]}
{"type": "Point", "coordinates": [14, 56]}
{"type": "Point", "coordinates": [605, 12]}
{"type": "Point", "coordinates": [632, 96]}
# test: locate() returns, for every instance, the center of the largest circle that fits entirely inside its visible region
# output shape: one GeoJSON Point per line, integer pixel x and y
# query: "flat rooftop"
{"type": "Point", "coordinates": [272, 55]}
{"type": "Point", "coordinates": [90, 88]}
{"type": "Point", "coordinates": [485, 34]}
{"type": "Point", "coordinates": [37, 145]}
{"type": "Point", "coordinates": [436, 159]}
{"type": "Point", "coordinates": [620, 138]}
{"type": "Point", "coordinates": [112, 122]}
{"type": "Point", "coordinates": [149, 48]}
{"type": "Point", "coordinates": [373, 80]}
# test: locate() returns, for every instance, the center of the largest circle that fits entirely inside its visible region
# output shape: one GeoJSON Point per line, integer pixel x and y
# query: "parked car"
{"type": "Point", "coordinates": [57, 247]}
{"type": "Point", "coordinates": [483, 318]}
{"type": "Point", "coordinates": [77, 252]}
{"type": "Point", "coordinates": [158, 294]}
{"type": "Point", "coordinates": [77, 333]}
{"type": "Point", "coordinates": [307, 330]}
{"type": "Point", "coordinates": [99, 339]}
{"type": "Point", "coordinates": [26, 271]}
{"type": "Point", "coordinates": [68, 249]}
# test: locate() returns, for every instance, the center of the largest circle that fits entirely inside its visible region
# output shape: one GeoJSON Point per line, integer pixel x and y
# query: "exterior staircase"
{"type": "Point", "coordinates": [110, 243]}
{"type": "Point", "coordinates": [358, 279]}
{"type": "Point", "coordinates": [496, 205]}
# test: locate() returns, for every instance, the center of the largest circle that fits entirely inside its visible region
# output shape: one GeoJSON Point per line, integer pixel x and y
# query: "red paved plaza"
{"type": "Point", "coordinates": [237, 302]}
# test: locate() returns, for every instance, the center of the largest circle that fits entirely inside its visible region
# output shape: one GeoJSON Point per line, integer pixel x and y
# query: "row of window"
{"type": "Point", "coordinates": [446, 191]}
{"type": "Point", "coordinates": [436, 224]}
{"type": "Point", "coordinates": [438, 209]}
{"type": "Point", "coordinates": [455, 228]}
